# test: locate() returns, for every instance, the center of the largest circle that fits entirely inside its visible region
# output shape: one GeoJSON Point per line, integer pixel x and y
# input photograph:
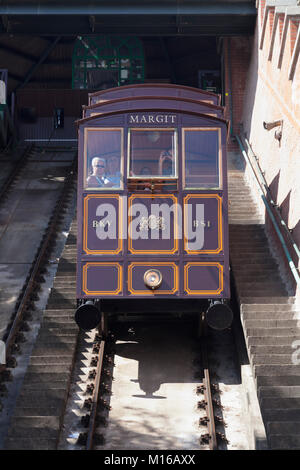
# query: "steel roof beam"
{"type": "Point", "coordinates": [43, 57]}
{"type": "Point", "coordinates": [170, 7]}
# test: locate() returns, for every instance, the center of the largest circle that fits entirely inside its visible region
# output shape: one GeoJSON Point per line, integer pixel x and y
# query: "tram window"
{"type": "Point", "coordinates": [152, 153]}
{"type": "Point", "coordinates": [103, 168]}
{"type": "Point", "coordinates": [201, 156]}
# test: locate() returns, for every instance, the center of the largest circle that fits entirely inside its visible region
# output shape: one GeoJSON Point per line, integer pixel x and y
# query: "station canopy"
{"type": "Point", "coordinates": [130, 17]}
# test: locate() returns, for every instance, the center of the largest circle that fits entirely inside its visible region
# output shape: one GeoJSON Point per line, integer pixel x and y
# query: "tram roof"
{"type": "Point", "coordinates": [166, 89]}
{"type": "Point", "coordinates": [82, 121]}
{"type": "Point", "coordinates": [154, 103]}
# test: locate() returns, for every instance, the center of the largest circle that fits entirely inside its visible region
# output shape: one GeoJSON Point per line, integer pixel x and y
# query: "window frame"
{"type": "Point", "coordinates": [220, 173]}
{"type": "Point", "coordinates": [85, 170]}
{"type": "Point", "coordinates": [152, 129]}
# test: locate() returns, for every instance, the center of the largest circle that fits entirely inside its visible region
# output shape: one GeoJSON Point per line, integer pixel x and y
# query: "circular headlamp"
{"type": "Point", "coordinates": [153, 278]}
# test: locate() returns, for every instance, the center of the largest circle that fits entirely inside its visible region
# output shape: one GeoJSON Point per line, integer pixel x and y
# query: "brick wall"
{"type": "Point", "coordinates": [273, 93]}
{"type": "Point", "coordinates": [236, 61]}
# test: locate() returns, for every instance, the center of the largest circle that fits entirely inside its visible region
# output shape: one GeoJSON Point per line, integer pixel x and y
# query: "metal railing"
{"type": "Point", "coordinates": [271, 206]}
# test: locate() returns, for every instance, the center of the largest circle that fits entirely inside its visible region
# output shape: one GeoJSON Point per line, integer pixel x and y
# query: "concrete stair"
{"type": "Point", "coordinates": [270, 318]}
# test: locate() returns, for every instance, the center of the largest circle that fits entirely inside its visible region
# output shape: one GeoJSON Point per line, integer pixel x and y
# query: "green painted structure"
{"type": "Point", "coordinates": [107, 61]}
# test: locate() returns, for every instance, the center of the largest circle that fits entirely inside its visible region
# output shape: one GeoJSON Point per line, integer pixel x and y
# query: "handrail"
{"type": "Point", "coordinates": [265, 184]}
{"type": "Point", "coordinates": [269, 210]}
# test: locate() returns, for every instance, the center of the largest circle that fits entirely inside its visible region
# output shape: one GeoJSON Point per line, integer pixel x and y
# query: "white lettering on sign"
{"type": "Point", "coordinates": [152, 118]}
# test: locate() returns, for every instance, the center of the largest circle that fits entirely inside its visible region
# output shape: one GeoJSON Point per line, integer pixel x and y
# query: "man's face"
{"type": "Point", "coordinates": [113, 165]}
{"type": "Point", "coordinates": [98, 167]}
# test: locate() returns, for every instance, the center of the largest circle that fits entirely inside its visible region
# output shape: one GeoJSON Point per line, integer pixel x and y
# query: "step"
{"type": "Point", "coordinates": [280, 404]}
{"type": "Point", "coordinates": [65, 330]}
{"type": "Point", "coordinates": [245, 276]}
{"type": "Point", "coordinates": [63, 277]}
{"type": "Point", "coordinates": [242, 269]}
{"type": "Point", "coordinates": [51, 343]}
{"type": "Point", "coordinates": [28, 400]}
{"type": "Point", "coordinates": [45, 386]}
{"type": "Point", "coordinates": [277, 380]}
{"type": "Point", "coordinates": [270, 315]}
{"type": "Point", "coordinates": [64, 268]}
{"type": "Point", "coordinates": [64, 283]}
{"type": "Point", "coordinates": [60, 358]}
{"type": "Point", "coordinates": [251, 257]}
{"type": "Point", "coordinates": [272, 341]}
{"type": "Point", "coordinates": [56, 339]}
{"type": "Point", "coordinates": [260, 286]}
{"type": "Point", "coordinates": [65, 294]}
{"type": "Point", "coordinates": [272, 358]}
{"type": "Point", "coordinates": [284, 442]}
{"type": "Point", "coordinates": [46, 377]}
{"type": "Point", "coordinates": [41, 427]}
{"type": "Point", "coordinates": [242, 207]}
{"type": "Point", "coordinates": [58, 321]}
{"type": "Point", "coordinates": [274, 332]}
{"type": "Point", "coordinates": [243, 213]}
{"type": "Point", "coordinates": [253, 232]}
{"type": "Point", "coordinates": [268, 300]}
{"type": "Point", "coordinates": [52, 313]}
{"type": "Point", "coordinates": [258, 230]}
{"type": "Point", "coordinates": [282, 323]}
{"type": "Point", "coordinates": [28, 443]}
{"type": "Point", "coordinates": [278, 370]}
{"type": "Point", "coordinates": [62, 305]}
{"type": "Point", "coordinates": [241, 221]}
{"type": "Point", "coordinates": [48, 368]}
{"type": "Point", "coordinates": [245, 261]}
{"type": "Point", "coordinates": [266, 350]}
{"type": "Point", "coordinates": [35, 411]}
{"type": "Point", "coordinates": [288, 307]}
{"type": "Point", "coordinates": [277, 414]}
{"type": "Point", "coordinates": [265, 294]}
{"type": "Point", "coordinates": [248, 249]}
{"type": "Point", "coordinates": [279, 391]}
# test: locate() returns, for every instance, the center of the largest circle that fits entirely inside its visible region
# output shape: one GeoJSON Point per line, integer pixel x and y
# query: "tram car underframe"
{"type": "Point", "coordinates": [152, 204]}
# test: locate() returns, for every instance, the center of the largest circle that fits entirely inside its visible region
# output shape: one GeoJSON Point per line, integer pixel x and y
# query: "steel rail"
{"type": "Point", "coordinates": [93, 414]}
{"type": "Point", "coordinates": [213, 445]}
{"type": "Point", "coordinates": [209, 407]}
{"type": "Point", "coordinates": [37, 264]}
{"type": "Point", "coordinates": [270, 213]}
{"type": "Point", "coordinates": [20, 163]}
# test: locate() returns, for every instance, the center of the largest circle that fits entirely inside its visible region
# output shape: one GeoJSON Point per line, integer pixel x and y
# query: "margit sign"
{"type": "Point", "coordinates": [169, 119]}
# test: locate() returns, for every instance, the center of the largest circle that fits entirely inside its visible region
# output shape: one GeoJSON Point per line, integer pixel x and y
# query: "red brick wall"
{"type": "Point", "coordinates": [293, 33]}
{"type": "Point", "coordinates": [236, 62]}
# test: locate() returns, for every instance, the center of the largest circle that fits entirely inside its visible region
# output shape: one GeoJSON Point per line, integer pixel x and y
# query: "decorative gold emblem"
{"type": "Point", "coordinates": [152, 222]}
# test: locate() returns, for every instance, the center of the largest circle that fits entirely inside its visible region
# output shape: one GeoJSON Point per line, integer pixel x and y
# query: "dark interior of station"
{"type": "Point", "coordinates": [41, 71]}
{"type": "Point", "coordinates": [167, 59]}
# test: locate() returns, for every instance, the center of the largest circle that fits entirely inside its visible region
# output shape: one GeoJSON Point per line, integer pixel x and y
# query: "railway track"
{"type": "Point", "coordinates": [25, 321]}
{"type": "Point", "coordinates": [108, 411]}
{"type": "Point", "coordinates": [21, 162]}
{"type": "Point", "coordinates": [31, 287]}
